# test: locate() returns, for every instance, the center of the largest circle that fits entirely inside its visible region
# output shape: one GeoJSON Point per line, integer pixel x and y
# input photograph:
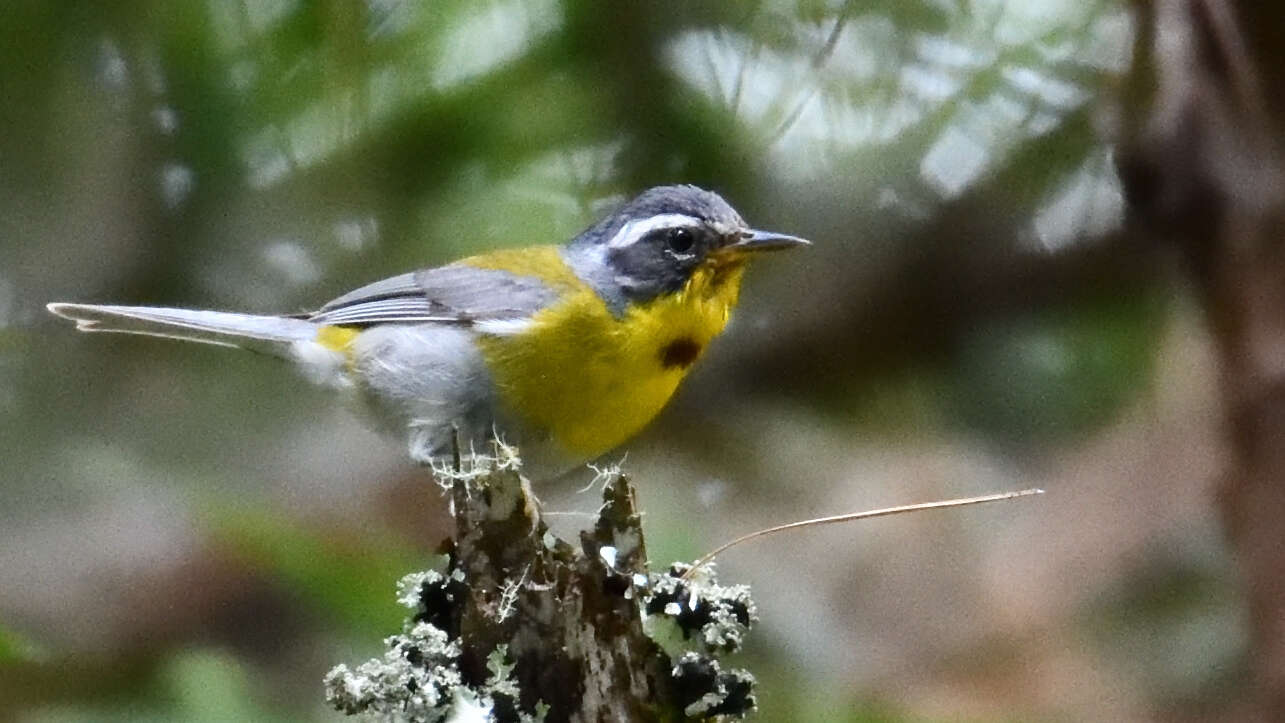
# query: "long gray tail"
{"type": "Point", "coordinates": [274, 335]}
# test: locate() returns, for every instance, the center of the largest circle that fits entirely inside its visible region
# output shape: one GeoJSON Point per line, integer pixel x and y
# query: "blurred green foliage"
{"type": "Point", "coordinates": [13, 647]}
{"type": "Point", "coordinates": [268, 154]}
{"type": "Point", "coordinates": [1174, 611]}
{"type": "Point", "coordinates": [1057, 374]}
{"type": "Point", "coordinates": [198, 685]}
{"type": "Point", "coordinates": [208, 685]}
{"type": "Point", "coordinates": [349, 582]}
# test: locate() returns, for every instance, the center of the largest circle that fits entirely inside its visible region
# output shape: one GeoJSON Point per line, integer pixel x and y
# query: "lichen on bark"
{"type": "Point", "coordinates": [524, 626]}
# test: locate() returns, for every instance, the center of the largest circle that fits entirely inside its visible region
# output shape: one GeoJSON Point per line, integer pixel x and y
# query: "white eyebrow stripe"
{"type": "Point", "coordinates": [632, 232]}
{"type": "Point", "coordinates": [724, 229]}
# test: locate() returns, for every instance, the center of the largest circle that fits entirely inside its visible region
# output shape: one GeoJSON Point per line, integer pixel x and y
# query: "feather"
{"type": "Point", "coordinates": [272, 334]}
{"type": "Point", "coordinates": [454, 294]}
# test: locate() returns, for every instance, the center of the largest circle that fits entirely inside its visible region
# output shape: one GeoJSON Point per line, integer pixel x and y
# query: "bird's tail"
{"type": "Point", "coordinates": [276, 335]}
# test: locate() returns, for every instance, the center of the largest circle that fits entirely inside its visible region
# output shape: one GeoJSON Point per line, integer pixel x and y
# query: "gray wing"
{"type": "Point", "coordinates": [454, 294]}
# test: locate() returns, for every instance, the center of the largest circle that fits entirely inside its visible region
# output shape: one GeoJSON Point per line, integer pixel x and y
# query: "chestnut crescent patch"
{"type": "Point", "coordinates": [680, 353]}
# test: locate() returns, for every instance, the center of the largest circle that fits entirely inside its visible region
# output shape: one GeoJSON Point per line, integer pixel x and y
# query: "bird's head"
{"type": "Point", "coordinates": [654, 244]}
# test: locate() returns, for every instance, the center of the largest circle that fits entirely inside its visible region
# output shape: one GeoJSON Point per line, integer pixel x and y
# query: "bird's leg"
{"type": "Point", "coordinates": [455, 447]}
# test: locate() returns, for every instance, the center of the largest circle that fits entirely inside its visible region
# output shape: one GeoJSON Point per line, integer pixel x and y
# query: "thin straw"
{"type": "Point", "coordinates": [860, 516]}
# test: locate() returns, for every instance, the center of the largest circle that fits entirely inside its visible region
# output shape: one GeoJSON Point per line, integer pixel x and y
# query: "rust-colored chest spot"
{"type": "Point", "coordinates": [680, 353]}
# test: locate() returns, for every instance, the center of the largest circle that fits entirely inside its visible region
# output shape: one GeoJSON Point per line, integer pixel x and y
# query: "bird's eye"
{"type": "Point", "coordinates": [680, 240]}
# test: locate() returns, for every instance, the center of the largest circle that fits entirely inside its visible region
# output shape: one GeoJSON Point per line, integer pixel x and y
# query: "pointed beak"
{"type": "Point", "coordinates": [755, 240]}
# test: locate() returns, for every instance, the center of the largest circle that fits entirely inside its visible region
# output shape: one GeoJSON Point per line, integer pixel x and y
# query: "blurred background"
{"type": "Point", "coordinates": [189, 533]}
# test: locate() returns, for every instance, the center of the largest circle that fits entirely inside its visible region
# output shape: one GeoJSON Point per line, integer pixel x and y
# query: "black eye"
{"type": "Point", "coordinates": [680, 240]}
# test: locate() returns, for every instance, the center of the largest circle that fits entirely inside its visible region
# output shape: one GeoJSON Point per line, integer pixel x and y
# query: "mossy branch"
{"type": "Point", "coordinates": [524, 626]}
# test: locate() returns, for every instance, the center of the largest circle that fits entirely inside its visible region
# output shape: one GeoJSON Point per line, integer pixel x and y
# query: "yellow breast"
{"type": "Point", "coordinates": [592, 380]}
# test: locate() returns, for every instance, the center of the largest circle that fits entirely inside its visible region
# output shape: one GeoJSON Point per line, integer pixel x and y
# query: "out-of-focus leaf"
{"type": "Point", "coordinates": [1180, 612]}
{"type": "Point", "coordinates": [350, 579]}
{"type": "Point", "coordinates": [784, 694]}
{"type": "Point", "coordinates": [198, 685]}
{"type": "Point", "coordinates": [207, 685]}
{"type": "Point", "coordinates": [14, 648]}
{"type": "Point", "coordinates": [1057, 373]}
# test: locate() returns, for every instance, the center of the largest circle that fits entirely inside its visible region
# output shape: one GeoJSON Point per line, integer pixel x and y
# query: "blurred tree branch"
{"type": "Point", "coordinates": [1204, 174]}
{"type": "Point", "coordinates": [965, 251]}
{"type": "Point", "coordinates": [523, 626]}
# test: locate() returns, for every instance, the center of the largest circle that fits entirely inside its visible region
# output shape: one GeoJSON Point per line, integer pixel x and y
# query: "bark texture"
{"type": "Point", "coordinates": [1202, 166]}
{"type": "Point", "coordinates": [523, 626]}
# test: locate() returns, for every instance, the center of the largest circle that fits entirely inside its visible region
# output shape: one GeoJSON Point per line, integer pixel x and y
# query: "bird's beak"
{"type": "Point", "coordinates": [754, 240]}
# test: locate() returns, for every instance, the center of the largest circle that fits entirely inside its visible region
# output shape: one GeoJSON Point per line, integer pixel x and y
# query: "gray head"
{"type": "Point", "coordinates": [651, 245]}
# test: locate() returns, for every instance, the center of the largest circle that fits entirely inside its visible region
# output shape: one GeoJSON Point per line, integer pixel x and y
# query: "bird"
{"type": "Point", "coordinates": [563, 351]}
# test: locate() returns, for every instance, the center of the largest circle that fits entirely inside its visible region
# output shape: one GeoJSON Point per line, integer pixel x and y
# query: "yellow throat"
{"type": "Point", "coordinates": [590, 379]}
